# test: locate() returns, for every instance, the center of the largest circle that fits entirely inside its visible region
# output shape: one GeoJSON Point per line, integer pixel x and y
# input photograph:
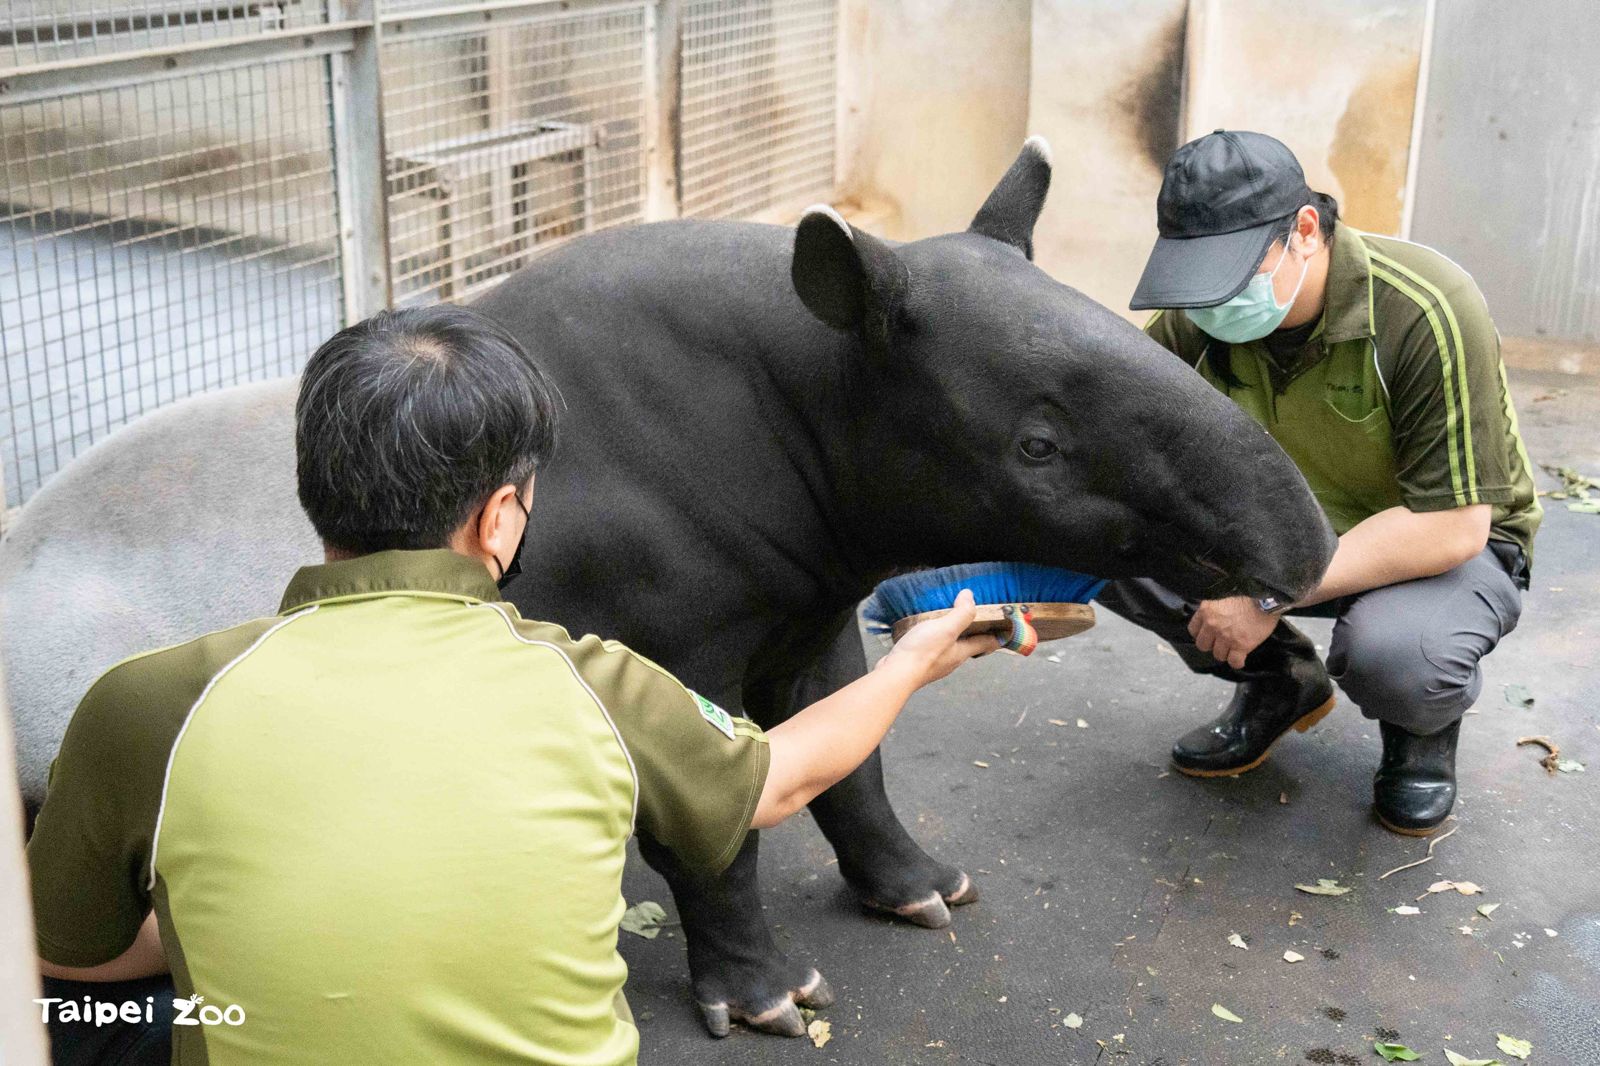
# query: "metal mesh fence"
{"type": "Point", "coordinates": [759, 86]}
{"type": "Point", "coordinates": [155, 241]}
{"type": "Point", "coordinates": [502, 142]}
{"type": "Point", "coordinates": [193, 192]}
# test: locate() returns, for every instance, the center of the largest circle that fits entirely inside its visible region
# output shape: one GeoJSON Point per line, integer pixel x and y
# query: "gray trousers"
{"type": "Point", "coordinates": [1407, 654]}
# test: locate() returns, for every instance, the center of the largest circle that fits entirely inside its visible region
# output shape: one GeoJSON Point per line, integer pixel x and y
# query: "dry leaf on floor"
{"type": "Point", "coordinates": [1549, 762]}
{"type": "Point", "coordinates": [1325, 886]}
{"type": "Point", "coordinates": [1462, 1060]}
{"type": "Point", "coordinates": [1487, 910]}
{"type": "Point", "coordinates": [1407, 909]}
{"type": "Point", "coordinates": [1224, 1013]}
{"type": "Point", "coordinates": [1082, 724]}
{"type": "Point", "coordinates": [1073, 1021]}
{"type": "Point", "coordinates": [980, 764]}
{"type": "Point", "coordinates": [1517, 1049]}
{"type": "Point", "coordinates": [1238, 941]}
{"type": "Point", "coordinates": [820, 1032]}
{"type": "Point", "coordinates": [1519, 696]}
{"type": "Point", "coordinates": [1293, 956]}
{"type": "Point", "coordinates": [644, 919]}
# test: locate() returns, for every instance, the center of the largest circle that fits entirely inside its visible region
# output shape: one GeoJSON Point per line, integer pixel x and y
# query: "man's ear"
{"type": "Point", "coordinates": [1013, 207]}
{"type": "Point", "coordinates": [848, 279]}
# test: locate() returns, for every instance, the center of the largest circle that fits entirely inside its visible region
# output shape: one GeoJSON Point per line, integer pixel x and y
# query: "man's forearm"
{"type": "Point", "coordinates": [817, 747]}
{"type": "Point", "coordinates": [1402, 545]}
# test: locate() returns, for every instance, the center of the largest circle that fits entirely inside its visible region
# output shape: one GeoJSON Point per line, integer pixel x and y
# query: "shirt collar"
{"type": "Point", "coordinates": [1347, 307]}
{"type": "Point", "coordinates": [439, 572]}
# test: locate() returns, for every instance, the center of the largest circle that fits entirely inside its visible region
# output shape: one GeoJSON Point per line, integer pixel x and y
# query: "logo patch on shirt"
{"type": "Point", "coordinates": [718, 717]}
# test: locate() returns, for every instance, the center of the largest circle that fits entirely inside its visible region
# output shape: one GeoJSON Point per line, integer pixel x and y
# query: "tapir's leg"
{"type": "Point", "coordinates": [737, 971]}
{"type": "Point", "coordinates": [877, 856]}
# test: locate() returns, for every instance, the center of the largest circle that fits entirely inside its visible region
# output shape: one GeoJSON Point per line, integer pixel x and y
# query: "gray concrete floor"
{"type": "Point", "coordinates": [1110, 885]}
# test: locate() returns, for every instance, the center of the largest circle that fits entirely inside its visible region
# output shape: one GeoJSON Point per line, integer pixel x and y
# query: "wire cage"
{"type": "Point", "coordinates": [195, 193]}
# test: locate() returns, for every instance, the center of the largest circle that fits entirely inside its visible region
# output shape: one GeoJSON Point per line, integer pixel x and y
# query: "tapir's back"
{"type": "Point", "coordinates": [187, 521]}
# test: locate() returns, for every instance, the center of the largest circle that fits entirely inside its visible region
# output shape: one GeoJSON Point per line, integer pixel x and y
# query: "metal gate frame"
{"type": "Point", "coordinates": [352, 37]}
{"type": "Point", "coordinates": [352, 41]}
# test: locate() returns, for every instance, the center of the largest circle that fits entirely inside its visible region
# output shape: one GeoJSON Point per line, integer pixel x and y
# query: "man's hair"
{"type": "Point", "coordinates": [409, 421]}
{"type": "Point", "coordinates": [1327, 214]}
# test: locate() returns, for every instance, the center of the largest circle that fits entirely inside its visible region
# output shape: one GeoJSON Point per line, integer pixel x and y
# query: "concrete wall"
{"type": "Point", "coordinates": [1508, 177]}
{"type": "Point", "coordinates": [933, 103]}
{"type": "Point", "coordinates": [1107, 81]}
{"type": "Point", "coordinates": [1335, 80]}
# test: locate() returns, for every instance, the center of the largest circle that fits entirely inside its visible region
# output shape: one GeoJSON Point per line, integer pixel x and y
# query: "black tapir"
{"type": "Point", "coordinates": [760, 424]}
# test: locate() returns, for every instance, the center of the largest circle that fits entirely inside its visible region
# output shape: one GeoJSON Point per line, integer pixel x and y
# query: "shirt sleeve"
{"type": "Point", "coordinates": [89, 856]}
{"type": "Point", "coordinates": [700, 769]}
{"type": "Point", "coordinates": [1448, 410]}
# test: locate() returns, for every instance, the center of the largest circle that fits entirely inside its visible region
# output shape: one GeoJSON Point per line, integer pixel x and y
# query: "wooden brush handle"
{"type": "Point", "coordinates": [1052, 620]}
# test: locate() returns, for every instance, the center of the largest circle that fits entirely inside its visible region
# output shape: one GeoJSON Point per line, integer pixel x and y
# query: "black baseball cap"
{"type": "Point", "coordinates": [1223, 199]}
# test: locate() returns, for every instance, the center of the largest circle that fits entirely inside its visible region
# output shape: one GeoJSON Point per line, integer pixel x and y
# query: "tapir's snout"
{"type": "Point", "coordinates": [1236, 516]}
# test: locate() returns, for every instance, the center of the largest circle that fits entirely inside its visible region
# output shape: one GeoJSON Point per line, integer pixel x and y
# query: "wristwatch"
{"type": "Point", "coordinates": [1270, 604]}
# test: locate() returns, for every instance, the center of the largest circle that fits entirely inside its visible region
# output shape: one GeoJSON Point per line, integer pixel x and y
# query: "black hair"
{"type": "Point", "coordinates": [409, 421]}
{"type": "Point", "coordinates": [1327, 214]}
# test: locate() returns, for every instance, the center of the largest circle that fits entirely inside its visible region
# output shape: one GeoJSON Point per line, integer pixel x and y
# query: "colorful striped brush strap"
{"type": "Point", "coordinates": [1024, 638]}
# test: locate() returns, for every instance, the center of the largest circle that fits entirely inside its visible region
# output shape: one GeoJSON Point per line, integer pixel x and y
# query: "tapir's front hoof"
{"type": "Point", "coordinates": [921, 893]}
{"type": "Point", "coordinates": [770, 1013]}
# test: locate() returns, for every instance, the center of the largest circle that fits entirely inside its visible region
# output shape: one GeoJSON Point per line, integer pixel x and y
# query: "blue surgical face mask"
{"type": "Point", "coordinates": [1253, 313]}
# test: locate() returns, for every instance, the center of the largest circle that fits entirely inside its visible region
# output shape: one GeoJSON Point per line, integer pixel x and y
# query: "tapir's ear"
{"type": "Point", "coordinates": [1011, 210]}
{"type": "Point", "coordinates": [848, 279]}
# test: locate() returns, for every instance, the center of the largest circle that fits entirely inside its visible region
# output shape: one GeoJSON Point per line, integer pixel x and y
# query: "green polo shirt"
{"type": "Point", "coordinates": [1397, 397]}
{"type": "Point", "coordinates": [388, 824]}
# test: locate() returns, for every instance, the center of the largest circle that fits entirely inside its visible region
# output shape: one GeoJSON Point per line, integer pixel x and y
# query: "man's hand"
{"type": "Point", "coordinates": [830, 738]}
{"type": "Point", "coordinates": [932, 649]}
{"type": "Point", "coordinates": [1230, 629]}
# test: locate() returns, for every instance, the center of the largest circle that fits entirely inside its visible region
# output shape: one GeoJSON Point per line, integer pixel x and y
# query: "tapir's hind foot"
{"type": "Point", "coordinates": [932, 911]}
{"type": "Point", "coordinates": [778, 1014]}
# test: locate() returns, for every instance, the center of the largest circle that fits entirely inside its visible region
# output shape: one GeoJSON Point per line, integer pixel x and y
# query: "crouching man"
{"type": "Point", "coordinates": [389, 823]}
{"type": "Point", "coordinates": [1374, 363]}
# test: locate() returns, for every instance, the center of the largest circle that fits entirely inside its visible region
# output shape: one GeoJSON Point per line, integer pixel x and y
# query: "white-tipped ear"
{"type": "Point", "coordinates": [829, 213]}
{"type": "Point", "coordinates": [1013, 207]}
{"type": "Point", "coordinates": [847, 278]}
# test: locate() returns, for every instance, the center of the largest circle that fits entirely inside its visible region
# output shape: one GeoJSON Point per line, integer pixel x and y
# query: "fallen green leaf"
{"type": "Point", "coordinates": [1224, 1013]}
{"type": "Point", "coordinates": [1395, 1052]}
{"type": "Point", "coordinates": [1488, 909]}
{"type": "Point", "coordinates": [1585, 506]}
{"type": "Point", "coordinates": [1519, 696]}
{"type": "Point", "coordinates": [1325, 886]}
{"type": "Point", "coordinates": [1572, 482]}
{"type": "Point", "coordinates": [1407, 909]}
{"type": "Point", "coordinates": [1569, 766]}
{"type": "Point", "coordinates": [644, 919]}
{"type": "Point", "coordinates": [1462, 1060]}
{"type": "Point", "coordinates": [1517, 1049]}
{"type": "Point", "coordinates": [1073, 1021]}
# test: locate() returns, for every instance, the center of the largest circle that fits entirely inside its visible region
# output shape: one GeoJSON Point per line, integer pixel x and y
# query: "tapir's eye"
{"type": "Point", "coordinates": [1038, 449]}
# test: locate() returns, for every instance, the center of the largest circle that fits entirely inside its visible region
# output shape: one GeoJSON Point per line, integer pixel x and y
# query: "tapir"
{"type": "Point", "coordinates": [760, 424]}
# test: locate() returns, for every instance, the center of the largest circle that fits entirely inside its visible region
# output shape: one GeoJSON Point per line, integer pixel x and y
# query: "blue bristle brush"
{"type": "Point", "coordinates": [1023, 602]}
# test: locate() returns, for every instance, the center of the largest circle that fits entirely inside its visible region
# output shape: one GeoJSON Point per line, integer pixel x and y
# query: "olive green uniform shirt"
{"type": "Point", "coordinates": [389, 824]}
{"type": "Point", "coordinates": [1398, 396]}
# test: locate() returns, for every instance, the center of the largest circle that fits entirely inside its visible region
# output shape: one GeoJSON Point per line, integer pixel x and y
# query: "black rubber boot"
{"type": "Point", "coordinates": [1415, 787]}
{"type": "Point", "coordinates": [1283, 686]}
